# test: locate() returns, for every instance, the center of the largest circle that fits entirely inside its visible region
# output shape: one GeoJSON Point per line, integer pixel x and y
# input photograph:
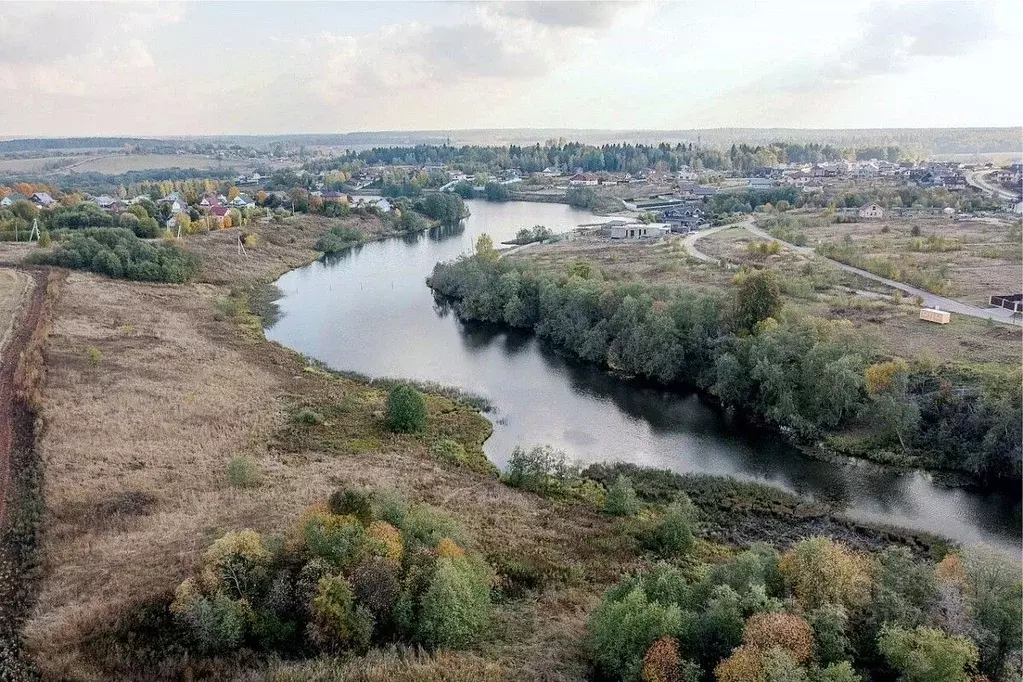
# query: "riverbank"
{"type": "Point", "coordinates": [979, 361]}
{"type": "Point", "coordinates": [153, 390]}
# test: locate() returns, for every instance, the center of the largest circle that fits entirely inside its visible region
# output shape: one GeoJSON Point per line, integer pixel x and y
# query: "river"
{"type": "Point", "coordinates": [369, 310]}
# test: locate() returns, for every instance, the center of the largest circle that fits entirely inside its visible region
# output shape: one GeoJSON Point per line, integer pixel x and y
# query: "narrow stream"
{"type": "Point", "coordinates": [369, 310]}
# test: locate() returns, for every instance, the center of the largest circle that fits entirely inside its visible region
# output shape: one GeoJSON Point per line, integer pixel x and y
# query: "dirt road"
{"type": "Point", "coordinates": [929, 300]}
{"type": "Point", "coordinates": [21, 297]}
{"type": "Point", "coordinates": [689, 241]}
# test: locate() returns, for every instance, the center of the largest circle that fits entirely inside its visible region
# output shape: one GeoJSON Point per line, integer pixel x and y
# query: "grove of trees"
{"type": "Point", "coordinates": [808, 375]}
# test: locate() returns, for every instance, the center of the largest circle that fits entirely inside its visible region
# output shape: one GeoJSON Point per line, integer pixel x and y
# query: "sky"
{"type": "Point", "coordinates": [155, 68]}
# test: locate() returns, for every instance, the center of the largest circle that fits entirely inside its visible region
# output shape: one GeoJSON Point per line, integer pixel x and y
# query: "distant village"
{"type": "Point", "coordinates": [677, 201]}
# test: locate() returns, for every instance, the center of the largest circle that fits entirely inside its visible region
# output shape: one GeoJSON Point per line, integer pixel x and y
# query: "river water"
{"type": "Point", "coordinates": [369, 310]}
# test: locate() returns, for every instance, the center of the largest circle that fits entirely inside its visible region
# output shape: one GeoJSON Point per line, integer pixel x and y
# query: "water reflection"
{"type": "Point", "coordinates": [367, 309]}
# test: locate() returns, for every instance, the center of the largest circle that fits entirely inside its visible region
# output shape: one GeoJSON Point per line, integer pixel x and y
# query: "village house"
{"type": "Point", "coordinates": [871, 211]}
{"type": "Point", "coordinates": [242, 201]}
{"type": "Point", "coordinates": [218, 213]}
{"type": "Point", "coordinates": [43, 199]}
{"type": "Point", "coordinates": [640, 231]}
{"type": "Point", "coordinates": [685, 218]}
{"type": "Point", "coordinates": [176, 202]}
{"type": "Point", "coordinates": [10, 199]}
{"type": "Point", "coordinates": [209, 201]}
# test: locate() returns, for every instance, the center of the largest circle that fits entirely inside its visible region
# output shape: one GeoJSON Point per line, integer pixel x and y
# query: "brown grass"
{"type": "Point", "coordinates": [136, 449]}
{"type": "Point", "coordinates": [989, 262]}
{"type": "Point", "coordinates": [279, 247]}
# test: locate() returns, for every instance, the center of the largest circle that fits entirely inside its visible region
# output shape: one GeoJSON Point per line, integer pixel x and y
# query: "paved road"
{"type": "Point", "coordinates": [930, 300]}
{"type": "Point", "coordinates": [980, 180]}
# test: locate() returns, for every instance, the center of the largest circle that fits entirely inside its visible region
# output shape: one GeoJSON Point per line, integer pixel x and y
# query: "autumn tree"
{"type": "Point", "coordinates": [788, 631]}
{"type": "Point", "coordinates": [821, 571]}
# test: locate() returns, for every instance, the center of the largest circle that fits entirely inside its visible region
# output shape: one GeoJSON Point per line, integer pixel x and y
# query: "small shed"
{"type": "Point", "coordinates": [935, 315]}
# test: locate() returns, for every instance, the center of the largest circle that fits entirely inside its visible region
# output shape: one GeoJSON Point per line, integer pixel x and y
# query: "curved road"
{"type": "Point", "coordinates": [930, 300]}
{"type": "Point", "coordinates": [979, 180]}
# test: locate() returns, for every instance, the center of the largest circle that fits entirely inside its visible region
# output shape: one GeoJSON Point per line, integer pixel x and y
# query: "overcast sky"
{"type": "Point", "coordinates": [207, 68]}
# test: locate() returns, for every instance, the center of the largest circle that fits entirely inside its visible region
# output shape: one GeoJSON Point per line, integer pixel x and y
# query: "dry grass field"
{"type": "Point", "coordinates": [153, 389]}
{"type": "Point", "coordinates": [122, 163]}
{"type": "Point", "coordinates": [979, 257]}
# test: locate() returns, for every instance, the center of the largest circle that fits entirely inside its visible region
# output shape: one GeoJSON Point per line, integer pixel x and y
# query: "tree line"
{"type": "Point", "coordinates": [809, 376]}
{"type": "Point", "coordinates": [591, 158]}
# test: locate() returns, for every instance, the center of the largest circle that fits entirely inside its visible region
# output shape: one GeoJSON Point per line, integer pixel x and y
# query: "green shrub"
{"type": "Point", "coordinates": [216, 624]}
{"type": "Point", "coordinates": [673, 535]}
{"type": "Point", "coordinates": [406, 410]}
{"type": "Point", "coordinates": [93, 355]}
{"type": "Point", "coordinates": [425, 525]}
{"type": "Point", "coordinates": [456, 606]}
{"type": "Point", "coordinates": [308, 416]}
{"type": "Point", "coordinates": [927, 655]}
{"type": "Point", "coordinates": [242, 472]}
{"type": "Point", "coordinates": [337, 539]}
{"type": "Point", "coordinates": [829, 632]}
{"type": "Point", "coordinates": [338, 620]}
{"type": "Point", "coordinates": [620, 632]}
{"type": "Point", "coordinates": [450, 451]}
{"type": "Point", "coordinates": [338, 239]}
{"type": "Point", "coordinates": [621, 499]}
{"type": "Point", "coordinates": [357, 503]}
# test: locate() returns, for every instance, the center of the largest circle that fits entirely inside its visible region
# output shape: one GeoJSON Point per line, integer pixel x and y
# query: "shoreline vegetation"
{"type": "Point", "coordinates": [228, 564]}
{"type": "Point", "coordinates": [810, 379]}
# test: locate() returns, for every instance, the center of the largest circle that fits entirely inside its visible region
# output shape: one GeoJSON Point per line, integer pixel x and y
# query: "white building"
{"type": "Point", "coordinates": [640, 231]}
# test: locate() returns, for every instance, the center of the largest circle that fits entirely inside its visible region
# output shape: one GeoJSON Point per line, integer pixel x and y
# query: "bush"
{"type": "Point", "coordinates": [673, 535]}
{"type": "Point", "coordinates": [236, 563]}
{"type": "Point", "coordinates": [927, 655]}
{"type": "Point", "coordinates": [308, 417]}
{"type": "Point", "coordinates": [357, 503]}
{"type": "Point", "coordinates": [790, 632]}
{"type": "Point", "coordinates": [242, 472]}
{"type": "Point", "coordinates": [337, 239]}
{"type": "Point", "coordinates": [542, 470]}
{"type": "Point", "coordinates": [621, 631]}
{"type": "Point", "coordinates": [117, 252]}
{"type": "Point", "coordinates": [450, 451]}
{"type": "Point", "coordinates": [662, 663]}
{"type": "Point", "coordinates": [339, 622]}
{"type": "Point", "coordinates": [93, 355]}
{"type": "Point", "coordinates": [340, 540]}
{"type": "Point", "coordinates": [406, 410]}
{"type": "Point", "coordinates": [456, 606]}
{"type": "Point", "coordinates": [621, 499]}
{"type": "Point", "coordinates": [216, 624]}
{"type": "Point", "coordinates": [820, 571]}
{"type": "Point", "coordinates": [829, 624]}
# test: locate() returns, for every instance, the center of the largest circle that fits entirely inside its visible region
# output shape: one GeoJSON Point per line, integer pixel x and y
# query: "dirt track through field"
{"type": "Point", "coordinates": [15, 337]}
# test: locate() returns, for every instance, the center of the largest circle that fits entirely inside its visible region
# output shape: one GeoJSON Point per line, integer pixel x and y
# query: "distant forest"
{"type": "Point", "coordinates": [609, 157]}
{"type": "Point", "coordinates": [914, 141]}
